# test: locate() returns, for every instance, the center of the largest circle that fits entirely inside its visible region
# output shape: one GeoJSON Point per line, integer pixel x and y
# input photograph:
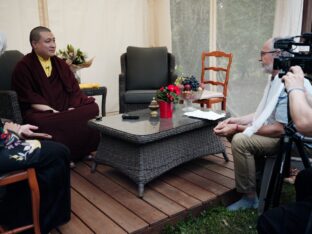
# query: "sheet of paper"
{"type": "Point", "coordinates": [205, 114]}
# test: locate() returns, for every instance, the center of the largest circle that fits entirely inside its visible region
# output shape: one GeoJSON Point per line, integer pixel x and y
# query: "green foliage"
{"type": "Point", "coordinates": [72, 55]}
{"type": "Point", "coordinates": [288, 193]}
{"type": "Point", "coordinates": [220, 221]}
{"type": "Point", "coordinates": [168, 93]}
{"type": "Point", "coordinates": [217, 220]}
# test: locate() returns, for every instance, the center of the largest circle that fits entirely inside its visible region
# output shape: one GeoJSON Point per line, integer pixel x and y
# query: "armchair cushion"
{"type": "Point", "coordinates": [147, 68]}
{"type": "Point", "coordinates": [139, 96]}
{"type": "Point", "coordinates": [8, 60]}
{"type": "Point", "coordinates": [9, 106]}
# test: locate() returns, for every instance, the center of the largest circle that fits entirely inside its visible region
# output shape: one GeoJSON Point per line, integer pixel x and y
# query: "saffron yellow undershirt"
{"type": "Point", "coordinates": [46, 65]}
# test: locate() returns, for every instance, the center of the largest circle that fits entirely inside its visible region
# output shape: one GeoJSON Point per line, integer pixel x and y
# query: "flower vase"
{"type": "Point", "coordinates": [165, 109]}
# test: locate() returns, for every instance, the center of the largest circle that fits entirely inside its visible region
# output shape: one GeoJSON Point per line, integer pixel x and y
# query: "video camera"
{"type": "Point", "coordinates": [299, 53]}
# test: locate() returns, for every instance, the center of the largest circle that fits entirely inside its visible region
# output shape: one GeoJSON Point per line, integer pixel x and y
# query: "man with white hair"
{"type": "Point", "coordinates": [258, 134]}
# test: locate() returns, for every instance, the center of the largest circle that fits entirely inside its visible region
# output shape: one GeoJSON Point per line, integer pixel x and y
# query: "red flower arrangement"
{"type": "Point", "coordinates": [168, 94]}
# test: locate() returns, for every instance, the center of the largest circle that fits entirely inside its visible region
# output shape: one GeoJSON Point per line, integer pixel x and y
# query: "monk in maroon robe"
{"type": "Point", "coordinates": [50, 96]}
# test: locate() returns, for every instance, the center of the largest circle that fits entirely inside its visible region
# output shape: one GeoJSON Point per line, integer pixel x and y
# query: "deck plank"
{"type": "Point", "coordinates": [120, 214]}
{"type": "Point", "coordinates": [75, 226]}
{"type": "Point", "coordinates": [219, 169]}
{"type": "Point", "coordinates": [175, 194]}
{"type": "Point", "coordinates": [217, 160]}
{"type": "Point", "coordinates": [202, 171]}
{"type": "Point", "coordinates": [87, 212]}
{"type": "Point", "coordinates": [106, 201]}
{"type": "Point", "coordinates": [200, 181]}
{"type": "Point", "coordinates": [164, 204]}
{"type": "Point", "coordinates": [188, 187]}
{"type": "Point", "coordinates": [147, 212]}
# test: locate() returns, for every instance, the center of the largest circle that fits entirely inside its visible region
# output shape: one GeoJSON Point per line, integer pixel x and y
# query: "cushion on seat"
{"type": "Point", "coordinates": [8, 60]}
{"type": "Point", "coordinates": [210, 94]}
{"type": "Point", "coordinates": [147, 68]}
{"type": "Point", "coordinates": [139, 96]}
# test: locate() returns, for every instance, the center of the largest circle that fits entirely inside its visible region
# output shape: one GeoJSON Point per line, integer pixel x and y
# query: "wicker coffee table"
{"type": "Point", "coordinates": [146, 148]}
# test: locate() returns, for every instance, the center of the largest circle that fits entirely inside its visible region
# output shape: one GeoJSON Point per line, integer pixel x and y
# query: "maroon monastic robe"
{"type": "Point", "coordinates": [60, 91]}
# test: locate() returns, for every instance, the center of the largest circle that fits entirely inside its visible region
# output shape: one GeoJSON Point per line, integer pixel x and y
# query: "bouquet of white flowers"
{"type": "Point", "coordinates": [75, 58]}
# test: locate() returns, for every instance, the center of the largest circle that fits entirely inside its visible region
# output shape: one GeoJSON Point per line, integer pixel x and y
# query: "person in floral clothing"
{"type": "Point", "coordinates": [51, 161]}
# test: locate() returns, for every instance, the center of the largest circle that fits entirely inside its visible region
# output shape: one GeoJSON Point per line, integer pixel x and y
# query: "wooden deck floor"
{"type": "Point", "coordinates": [106, 201]}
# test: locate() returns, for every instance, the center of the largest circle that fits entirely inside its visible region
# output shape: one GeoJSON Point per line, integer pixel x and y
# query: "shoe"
{"type": "Point", "coordinates": [293, 172]}
{"type": "Point", "coordinates": [244, 203]}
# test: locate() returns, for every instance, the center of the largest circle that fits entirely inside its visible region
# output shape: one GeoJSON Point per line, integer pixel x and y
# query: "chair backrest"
{"type": "Point", "coordinates": [146, 68]}
{"type": "Point", "coordinates": [226, 69]}
{"type": "Point", "coordinates": [8, 60]}
{"type": "Point", "coordinates": [30, 175]}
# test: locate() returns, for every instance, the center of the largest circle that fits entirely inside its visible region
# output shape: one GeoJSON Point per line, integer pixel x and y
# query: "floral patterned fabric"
{"type": "Point", "coordinates": [51, 162]}
{"type": "Point", "coordinates": [16, 148]}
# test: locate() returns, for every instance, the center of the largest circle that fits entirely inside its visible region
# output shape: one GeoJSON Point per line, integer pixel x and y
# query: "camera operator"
{"type": "Point", "coordinates": [295, 217]}
{"type": "Point", "coordinates": [300, 102]}
{"type": "Point", "coordinates": [258, 134]}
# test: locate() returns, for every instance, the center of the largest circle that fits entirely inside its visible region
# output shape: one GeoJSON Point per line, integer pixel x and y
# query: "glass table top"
{"type": "Point", "coordinates": [147, 125]}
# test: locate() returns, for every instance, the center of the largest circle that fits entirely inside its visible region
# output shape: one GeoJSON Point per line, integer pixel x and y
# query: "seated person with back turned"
{"type": "Point", "coordinates": [256, 135]}
{"type": "Point", "coordinates": [295, 217]}
{"type": "Point", "coordinates": [51, 162]}
{"type": "Point", "coordinates": [50, 96]}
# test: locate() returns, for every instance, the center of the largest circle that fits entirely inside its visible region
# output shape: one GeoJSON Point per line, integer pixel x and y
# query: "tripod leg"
{"type": "Point", "coordinates": [285, 162]}
{"type": "Point", "coordinates": [304, 157]}
{"type": "Point", "coordinates": [284, 169]}
{"type": "Point", "coordinates": [265, 183]}
{"type": "Point", "coordinates": [275, 183]}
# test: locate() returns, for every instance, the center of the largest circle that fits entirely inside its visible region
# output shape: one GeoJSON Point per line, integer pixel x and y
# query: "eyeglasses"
{"type": "Point", "coordinates": [262, 53]}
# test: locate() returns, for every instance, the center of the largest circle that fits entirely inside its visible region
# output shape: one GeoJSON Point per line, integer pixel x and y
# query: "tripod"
{"type": "Point", "coordinates": [282, 163]}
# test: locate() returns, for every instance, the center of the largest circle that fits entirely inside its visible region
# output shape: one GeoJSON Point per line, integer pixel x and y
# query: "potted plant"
{"type": "Point", "coordinates": [166, 96]}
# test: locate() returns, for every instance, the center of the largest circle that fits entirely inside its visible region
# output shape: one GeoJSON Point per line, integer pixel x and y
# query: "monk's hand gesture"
{"type": "Point", "coordinates": [26, 131]}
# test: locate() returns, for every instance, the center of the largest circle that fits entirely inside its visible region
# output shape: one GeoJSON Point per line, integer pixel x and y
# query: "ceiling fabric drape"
{"type": "Point", "coordinates": [17, 18]}
{"type": "Point", "coordinates": [288, 18]}
{"type": "Point", "coordinates": [43, 13]}
{"type": "Point", "coordinates": [307, 16]}
{"type": "Point", "coordinates": [102, 28]}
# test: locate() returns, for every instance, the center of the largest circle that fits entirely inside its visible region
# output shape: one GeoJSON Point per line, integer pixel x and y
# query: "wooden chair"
{"type": "Point", "coordinates": [216, 97]}
{"type": "Point", "coordinates": [30, 175]}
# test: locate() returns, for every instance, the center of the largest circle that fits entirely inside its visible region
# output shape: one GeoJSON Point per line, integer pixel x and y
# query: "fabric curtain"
{"type": "Point", "coordinates": [241, 29]}
{"type": "Point", "coordinates": [104, 29]}
{"type": "Point", "coordinates": [101, 28]}
{"type": "Point", "coordinates": [16, 19]}
{"type": "Point", "coordinates": [307, 16]}
{"type": "Point", "coordinates": [288, 18]}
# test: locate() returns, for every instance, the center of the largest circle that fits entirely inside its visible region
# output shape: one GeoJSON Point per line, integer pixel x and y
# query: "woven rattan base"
{"type": "Point", "coordinates": [145, 160]}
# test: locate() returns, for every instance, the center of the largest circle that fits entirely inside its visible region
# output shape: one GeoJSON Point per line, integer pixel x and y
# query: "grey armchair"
{"type": "Point", "coordinates": [143, 72]}
{"type": "Point", "coordinates": [9, 106]}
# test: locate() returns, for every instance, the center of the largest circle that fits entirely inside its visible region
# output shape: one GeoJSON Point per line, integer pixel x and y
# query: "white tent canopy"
{"type": "Point", "coordinates": [104, 29]}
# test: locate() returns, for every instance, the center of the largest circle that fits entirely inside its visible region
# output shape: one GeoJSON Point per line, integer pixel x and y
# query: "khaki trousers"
{"type": "Point", "coordinates": [246, 150]}
{"type": "Point", "coordinates": [249, 150]}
